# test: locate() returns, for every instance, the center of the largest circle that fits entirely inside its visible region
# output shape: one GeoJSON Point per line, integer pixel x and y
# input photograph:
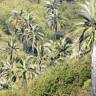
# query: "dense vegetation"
{"type": "Point", "coordinates": [45, 47]}
{"type": "Point", "coordinates": [65, 79]}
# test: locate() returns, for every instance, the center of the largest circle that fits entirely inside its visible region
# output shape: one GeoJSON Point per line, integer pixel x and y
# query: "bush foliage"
{"type": "Point", "coordinates": [66, 79]}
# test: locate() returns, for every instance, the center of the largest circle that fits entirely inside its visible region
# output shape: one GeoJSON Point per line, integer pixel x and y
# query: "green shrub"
{"type": "Point", "coordinates": [66, 79]}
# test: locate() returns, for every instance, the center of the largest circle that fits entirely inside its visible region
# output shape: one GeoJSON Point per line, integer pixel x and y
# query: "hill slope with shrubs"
{"type": "Point", "coordinates": [43, 51]}
{"type": "Point", "coordinates": [66, 79]}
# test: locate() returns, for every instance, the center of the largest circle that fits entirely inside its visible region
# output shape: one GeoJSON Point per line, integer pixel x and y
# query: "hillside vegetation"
{"type": "Point", "coordinates": [45, 47]}
{"type": "Point", "coordinates": [65, 79]}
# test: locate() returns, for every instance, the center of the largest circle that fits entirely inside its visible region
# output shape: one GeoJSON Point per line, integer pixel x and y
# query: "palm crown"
{"type": "Point", "coordinates": [88, 26]}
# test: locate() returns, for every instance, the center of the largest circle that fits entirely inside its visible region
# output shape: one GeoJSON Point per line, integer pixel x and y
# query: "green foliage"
{"type": "Point", "coordinates": [63, 79]}
{"type": "Point", "coordinates": [31, 51]}
{"type": "Point", "coordinates": [87, 25]}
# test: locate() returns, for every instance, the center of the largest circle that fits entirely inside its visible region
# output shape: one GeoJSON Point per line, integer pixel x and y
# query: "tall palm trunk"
{"type": "Point", "coordinates": [94, 70]}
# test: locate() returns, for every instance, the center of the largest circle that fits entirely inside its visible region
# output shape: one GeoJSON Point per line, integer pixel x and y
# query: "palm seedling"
{"type": "Point", "coordinates": [9, 73]}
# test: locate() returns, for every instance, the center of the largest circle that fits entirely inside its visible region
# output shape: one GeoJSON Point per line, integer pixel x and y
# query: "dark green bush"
{"type": "Point", "coordinates": [66, 79]}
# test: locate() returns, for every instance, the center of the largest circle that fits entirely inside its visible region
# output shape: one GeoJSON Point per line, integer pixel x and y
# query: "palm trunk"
{"type": "Point", "coordinates": [24, 81]}
{"type": "Point", "coordinates": [33, 43]}
{"type": "Point", "coordinates": [11, 57]}
{"type": "Point", "coordinates": [55, 25]}
{"type": "Point", "coordinates": [94, 70]}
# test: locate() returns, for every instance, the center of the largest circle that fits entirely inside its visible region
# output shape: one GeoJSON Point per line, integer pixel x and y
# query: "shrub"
{"type": "Point", "coordinates": [66, 79]}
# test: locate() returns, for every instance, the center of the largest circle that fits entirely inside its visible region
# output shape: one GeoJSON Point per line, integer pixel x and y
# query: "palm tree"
{"type": "Point", "coordinates": [35, 36]}
{"type": "Point", "coordinates": [11, 48]}
{"type": "Point", "coordinates": [28, 32]}
{"type": "Point", "coordinates": [52, 10]}
{"type": "Point", "coordinates": [26, 69]}
{"type": "Point", "coordinates": [57, 19]}
{"type": "Point", "coordinates": [87, 41]}
{"type": "Point", "coordinates": [58, 50]}
{"type": "Point", "coordinates": [8, 68]}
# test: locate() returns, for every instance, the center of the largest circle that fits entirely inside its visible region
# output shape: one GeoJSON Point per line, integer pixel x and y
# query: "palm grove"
{"type": "Point", "coordinates": [31, 50]}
